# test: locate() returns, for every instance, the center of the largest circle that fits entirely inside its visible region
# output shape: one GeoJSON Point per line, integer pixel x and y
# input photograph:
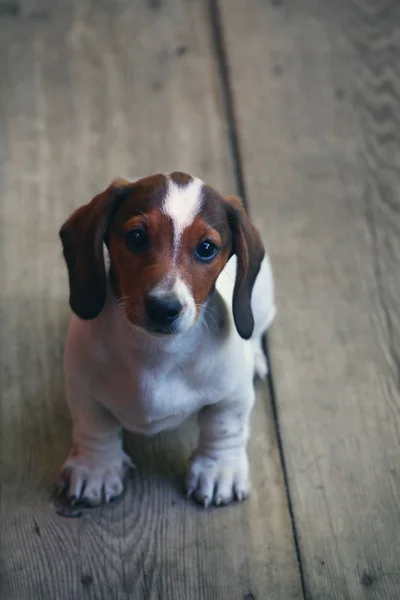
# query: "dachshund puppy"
{"type": "Point", "coordinates": [171, 291]}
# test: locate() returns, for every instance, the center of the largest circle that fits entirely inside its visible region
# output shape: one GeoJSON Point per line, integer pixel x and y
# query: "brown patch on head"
{"type": "Point", "coordinates": [224, 222]}
{"type": "Point", "coordinates": [210, 224]}
{"type": "Point", "coordinates": [180, 179]}
{"type": "Point", "coordinates": [135, 275]}
{"type": "Point", "coordinates": [144, 194]}
{"type": "Point", "coordinates": [84, 233]}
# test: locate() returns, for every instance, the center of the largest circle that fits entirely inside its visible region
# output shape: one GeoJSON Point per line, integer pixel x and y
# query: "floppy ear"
{"type": "Point", "coordinates": [82, 237]}
{"type": "Point", "coordinates": [249, 250]}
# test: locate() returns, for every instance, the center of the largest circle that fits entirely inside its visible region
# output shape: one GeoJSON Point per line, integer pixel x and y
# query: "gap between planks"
{"type": "Point", "coordinates": [222, 61]}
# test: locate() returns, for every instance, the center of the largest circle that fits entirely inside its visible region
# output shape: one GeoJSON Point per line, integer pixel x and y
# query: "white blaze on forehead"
{"type": "Point", "coordinates": [182, 204]}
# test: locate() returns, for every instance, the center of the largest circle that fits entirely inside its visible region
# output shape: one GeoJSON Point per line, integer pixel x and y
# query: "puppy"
{"type": "Point", "coordinates": [172, 292]}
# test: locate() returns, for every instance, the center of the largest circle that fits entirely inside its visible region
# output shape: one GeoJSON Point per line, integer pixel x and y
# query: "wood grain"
{"type": "Point", "coordinates": [89, 91]}
{"type": "Point", "coordinates": [316, 90]}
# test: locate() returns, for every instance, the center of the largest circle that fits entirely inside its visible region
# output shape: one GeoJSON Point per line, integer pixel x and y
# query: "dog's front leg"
{"type": "Point", "coordinates": [219, 468]}
{"type": "Point", "coordinates": [94, 470]}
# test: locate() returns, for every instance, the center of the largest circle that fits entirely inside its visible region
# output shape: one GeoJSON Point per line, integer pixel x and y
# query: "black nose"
{"type": "Point", "coordinates": [163, 311]}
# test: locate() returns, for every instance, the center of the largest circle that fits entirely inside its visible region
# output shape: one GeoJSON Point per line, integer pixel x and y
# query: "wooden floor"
{"type": "Point", "coordinates": [294, 104]}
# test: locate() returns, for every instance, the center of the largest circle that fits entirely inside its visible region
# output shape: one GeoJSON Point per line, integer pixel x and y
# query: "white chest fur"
{"type": "Point", "coordinates": [152, 394]}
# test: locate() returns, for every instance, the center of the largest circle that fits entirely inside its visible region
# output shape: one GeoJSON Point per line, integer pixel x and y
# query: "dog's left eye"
{"type": "Point", "coordinates": [137, 239]}
{"type": "Point", "coordinates": [206, 251]}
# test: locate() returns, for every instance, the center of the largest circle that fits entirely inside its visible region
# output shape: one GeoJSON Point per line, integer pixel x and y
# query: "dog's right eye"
{"type": "Point", "coordinates": [137, 239]}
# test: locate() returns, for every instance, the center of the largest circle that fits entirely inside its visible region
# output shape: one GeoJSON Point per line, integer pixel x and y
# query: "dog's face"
{"type": "Point", "coordinates": [169, 237]}
{"type": "Point", "coordinates": [168, 244]}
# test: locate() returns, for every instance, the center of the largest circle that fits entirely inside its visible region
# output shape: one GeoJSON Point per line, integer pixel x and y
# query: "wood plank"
{"type": "Point", "coordinates": [90, 91]}
{"type": "Point", "coordinates": [25, 9]}
{"type": "Point", "coordinates": [316, 89]}
{"type": "Point", "coordinates": [9, 8]}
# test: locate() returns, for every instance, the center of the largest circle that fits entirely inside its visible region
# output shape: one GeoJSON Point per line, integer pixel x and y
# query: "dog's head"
{"type": "Point", "coordinates": [168, 237]}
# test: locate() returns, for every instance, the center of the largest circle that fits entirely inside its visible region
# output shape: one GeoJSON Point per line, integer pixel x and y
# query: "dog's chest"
{"type": "Point", "coordinates": [152, 398]}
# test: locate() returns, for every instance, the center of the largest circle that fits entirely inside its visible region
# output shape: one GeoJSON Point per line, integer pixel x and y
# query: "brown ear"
{"type": "Point", "coordinates": [82, 237]}
{"type": "Point", "coordinates": [248, 247]}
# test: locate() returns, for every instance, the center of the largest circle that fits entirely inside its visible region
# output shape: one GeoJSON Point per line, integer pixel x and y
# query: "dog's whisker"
{"type": "Point", "coordinates": [203, 321]}
{"type": "Point", "coordinates": [211, 312]}
{"type": "Point", "coordinates": [207, 313]}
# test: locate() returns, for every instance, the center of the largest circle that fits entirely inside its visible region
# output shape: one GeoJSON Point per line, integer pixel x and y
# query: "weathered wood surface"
{"type": "Point", "coordinates": [89, 91]}
{"type": "Point", "coordinates": [317, 95]}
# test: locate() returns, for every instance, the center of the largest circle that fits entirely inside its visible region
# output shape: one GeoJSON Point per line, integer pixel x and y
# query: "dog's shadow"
{"type": "Point", "coordinates": [162, 459]}
{"type": "Point", "coordinates": [35, 421]}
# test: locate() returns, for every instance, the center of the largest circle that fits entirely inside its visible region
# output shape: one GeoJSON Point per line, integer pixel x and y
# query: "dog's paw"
{"type": "Point", "coordinates": [218, 482]}
{"type": "Point", "coordinates": [90, 483]}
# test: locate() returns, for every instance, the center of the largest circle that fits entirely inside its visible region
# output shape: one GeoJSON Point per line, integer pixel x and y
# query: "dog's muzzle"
{"type": "Point", "coordinates": [163, 312]}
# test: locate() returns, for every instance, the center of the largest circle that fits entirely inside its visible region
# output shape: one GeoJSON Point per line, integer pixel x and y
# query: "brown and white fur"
{"type": "Point", "coordinates": [125, 366]}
